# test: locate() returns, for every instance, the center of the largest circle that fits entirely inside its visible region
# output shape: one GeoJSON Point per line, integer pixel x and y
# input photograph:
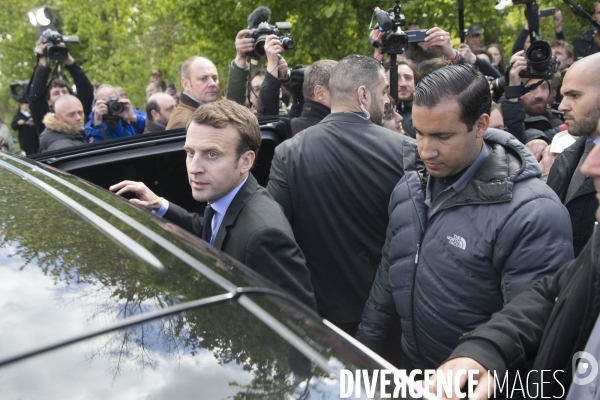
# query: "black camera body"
{"type": "Point", "coordinates": [55, 50]}
{"type": "Point", "coordinates": [395, 40]}
{"type": "Point", "coordinates": [114, 106]}
{"type": "Point", "coordinates": [541, 63]}
{"type": "Point", "coordinates": [263, 30]}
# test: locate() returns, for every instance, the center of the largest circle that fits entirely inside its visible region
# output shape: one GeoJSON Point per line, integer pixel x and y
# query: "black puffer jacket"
{"type": "Point", "coordinates": [550, 322]}
{"type": "Point", "coordinates": [582, 207]}
{"type": "Point", "coordinates": [446, 274]}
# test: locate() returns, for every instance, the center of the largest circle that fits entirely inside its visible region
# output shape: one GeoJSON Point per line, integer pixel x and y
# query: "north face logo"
{"type": "Point", "coordinates": [457, 241]}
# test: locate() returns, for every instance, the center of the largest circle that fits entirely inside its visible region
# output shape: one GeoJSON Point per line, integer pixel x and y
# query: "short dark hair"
{"type": "Point", "coordinates": [258, 72]}
{"type": "Point", "coordinates": [151, 105]}
{"type": "Point", "coordinates": [409, 63]}
{"type": "Point", "coordinates": [352, 72]}
{"type": "Point", "coordinates": [60, 83]}
{"type": "Point", "coordinates": [428, 66]}
{"type": "Point", "coordinates": [220, 114]}
{"type": "Point", "coordinates": [317, 74]}
{"type": "Point", "coordinates": [463, 82]}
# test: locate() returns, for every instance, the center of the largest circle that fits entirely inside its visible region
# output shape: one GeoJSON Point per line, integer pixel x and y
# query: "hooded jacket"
{"type": "Point", "coordinates": [59, 134]}
{"type": "Point", "coordinates": [446, 274]}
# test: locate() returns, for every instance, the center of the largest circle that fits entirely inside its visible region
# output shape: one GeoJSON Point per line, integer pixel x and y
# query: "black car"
{"type": "Point", "coordinates": [100, 299]}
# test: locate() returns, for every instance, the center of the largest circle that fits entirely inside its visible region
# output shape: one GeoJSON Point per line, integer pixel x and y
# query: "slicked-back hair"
{"type": "Point", "coordinates": [317, 74]}
{"type": "Point", "coordinates": [223, 113]}
{"type": "Point", "coordinates": [60, 83]}
{"type": "Point", "coordinates": [352, 72]}
{"type": "Point", "coordinates": [463, 83]}
{"type": "Point", "coordinates": [428, 66]}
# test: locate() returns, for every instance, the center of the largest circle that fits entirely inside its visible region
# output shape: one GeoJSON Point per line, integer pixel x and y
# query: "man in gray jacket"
{"type": "Point", "coordinates": [64, 127]}
{"type": "Point", "coordinates": [471, 224]}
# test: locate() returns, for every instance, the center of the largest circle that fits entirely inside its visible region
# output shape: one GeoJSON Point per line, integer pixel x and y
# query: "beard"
{"type": "Point", "coordinates": [586, 125]}
{"type": "Point", "coordinates": [534, 109]}
{"type": "Point", "coordinates": [376, 112]}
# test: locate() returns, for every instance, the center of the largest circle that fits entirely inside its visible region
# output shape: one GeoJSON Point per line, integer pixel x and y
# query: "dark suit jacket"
{"type": "Point", "coordinates": [582, 207]}
{"type": "Point", "coordinates": [334, 181]}
{"type": "Point", "coordinates": [255, 232]}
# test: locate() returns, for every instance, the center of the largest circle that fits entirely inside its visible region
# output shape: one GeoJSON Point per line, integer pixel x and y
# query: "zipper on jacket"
{"type": "Point", "coordinates": [412, 291]}
{"type": "Point", "coordinates": [417, 255]}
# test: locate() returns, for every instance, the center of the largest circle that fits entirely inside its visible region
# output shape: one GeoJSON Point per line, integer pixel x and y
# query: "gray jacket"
{"type": "Point", "coordinates": [59, 135]}
{"type": "Point", "coordinates": [448, 273]}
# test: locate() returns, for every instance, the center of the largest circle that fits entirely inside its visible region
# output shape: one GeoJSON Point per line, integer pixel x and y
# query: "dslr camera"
{"type": "Point", "coordinates": [55, 50]}
{"type": "Point", "coordinates": [114, 106]}
{"type": "Point", "coordinates": [541, 63]}
{"type": "Point", "coordinates": [260, 36]}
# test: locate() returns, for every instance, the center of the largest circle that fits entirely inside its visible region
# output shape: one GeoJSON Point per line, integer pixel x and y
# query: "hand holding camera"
{"type": "Point", "coordinates": [519, 64]}
{"type": "Point", "coordinates": [113, 109]}
{"type": "Point", "coordinates": [243, 46]}
{"type": "Point", "coordinates": [275, 61]}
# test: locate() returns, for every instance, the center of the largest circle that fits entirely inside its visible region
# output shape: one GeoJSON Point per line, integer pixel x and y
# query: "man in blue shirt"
{"type": "Point", "coordinates": [241, 218]}
{"type": "Point", "coordinates": [113, 117]}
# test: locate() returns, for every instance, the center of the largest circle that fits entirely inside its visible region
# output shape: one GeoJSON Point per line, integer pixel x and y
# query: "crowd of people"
{"type": "Point", "coordinates": [453, 226]}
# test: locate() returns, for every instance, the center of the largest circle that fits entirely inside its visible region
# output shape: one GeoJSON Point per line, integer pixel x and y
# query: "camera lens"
{"type": "Point", "coordinates": [287, 42]}
{"type": "Point", "coordinates": [259, 46]}
{"type": "Point", "coordinates": [538, 55]}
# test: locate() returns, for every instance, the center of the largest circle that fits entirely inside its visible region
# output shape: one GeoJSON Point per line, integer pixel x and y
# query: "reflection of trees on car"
{"type": "Point", "coordinates": [113, 284]}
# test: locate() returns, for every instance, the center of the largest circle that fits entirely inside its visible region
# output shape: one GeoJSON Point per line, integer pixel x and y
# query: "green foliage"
{"type": "Point", "coordinates": [121, 41]}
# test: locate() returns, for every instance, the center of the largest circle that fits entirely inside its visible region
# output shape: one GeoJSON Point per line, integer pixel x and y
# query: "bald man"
{"type": "Point", "coordinates": [581, 105]}
{"type": "Point", "coordinates": [200, 83]}
{"type": "Point", "coordinates": [159, 108]}
{"type": "Point", "coordinates": [64, 127]}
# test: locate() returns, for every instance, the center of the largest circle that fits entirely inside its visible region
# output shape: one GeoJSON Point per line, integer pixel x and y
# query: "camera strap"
{"type": "Point", "coordinates": [514, 92]}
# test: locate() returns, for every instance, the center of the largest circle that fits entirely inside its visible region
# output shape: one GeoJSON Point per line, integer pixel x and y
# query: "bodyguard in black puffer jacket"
{"type": "Point", "coordinates": [453, 258]}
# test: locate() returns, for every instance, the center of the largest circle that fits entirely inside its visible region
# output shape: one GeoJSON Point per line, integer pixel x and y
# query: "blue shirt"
{"type": "Point", "coordinates": [220, 206]}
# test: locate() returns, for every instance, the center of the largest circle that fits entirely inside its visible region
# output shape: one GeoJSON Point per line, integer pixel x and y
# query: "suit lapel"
{"type": "Point", "coordinates": [234, 209]}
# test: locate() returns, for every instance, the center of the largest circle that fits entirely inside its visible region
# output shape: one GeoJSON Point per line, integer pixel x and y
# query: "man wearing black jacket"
{"type": "Point", "coordinates": [547, 326]}
{"type": "Point", "coordinates": [317, 99]}
{"type": "Point", "coordinates": [42, 96]}
{"type": "Point", "coordinates": [334, 181]}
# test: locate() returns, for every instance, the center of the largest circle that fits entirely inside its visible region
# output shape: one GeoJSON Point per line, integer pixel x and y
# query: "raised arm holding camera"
{"type": "Point", "coordinates": [42, 94]}
{"type": "Point", "coordinates": [269, 102]}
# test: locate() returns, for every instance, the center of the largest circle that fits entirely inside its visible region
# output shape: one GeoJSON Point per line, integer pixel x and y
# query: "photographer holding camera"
{"type": "Point", "coordinates": [240, 72]}
{"type": "Point", "coordinates": [528, 117]}
{"type": "Point", "coordinates": [42, 94]}
{"type": "Point", "coordinates": [113, 117]}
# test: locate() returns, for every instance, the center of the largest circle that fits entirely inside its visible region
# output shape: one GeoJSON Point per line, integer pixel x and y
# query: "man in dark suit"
{"type": "Point", "coordinates": [334, 181]}
{"type": "Point", "coordinates": [581, 97]}
{"type": "Point", "coordinates": [243, 220]}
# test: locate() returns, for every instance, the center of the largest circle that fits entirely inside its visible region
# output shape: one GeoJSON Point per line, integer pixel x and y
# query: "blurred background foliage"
{"type": "Point", "coordinates": [122, 41]}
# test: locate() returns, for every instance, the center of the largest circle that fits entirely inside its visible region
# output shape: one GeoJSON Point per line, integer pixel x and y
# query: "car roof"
{"type": "Point", "coordinates": [99, 298]}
